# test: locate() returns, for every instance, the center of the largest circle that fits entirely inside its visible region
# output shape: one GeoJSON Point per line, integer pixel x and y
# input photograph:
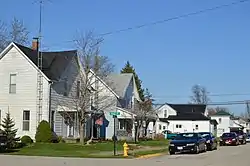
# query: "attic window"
{"type": "Point", "coordinates": [165, 113]}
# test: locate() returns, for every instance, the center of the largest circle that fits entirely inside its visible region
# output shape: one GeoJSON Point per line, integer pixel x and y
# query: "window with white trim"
{"type": "Point", "coordinates": [165, 113]}
{"type": "Point", "coordinates": [12, 88]}
{"type": "Point", "coordinates": [178, 126]}
{"type": "Point", "coordinates": [26, 120]}
{"type": "Point", "coordinates": [196, 127]}
{"type": "Point", "coordinates": [159, 127]}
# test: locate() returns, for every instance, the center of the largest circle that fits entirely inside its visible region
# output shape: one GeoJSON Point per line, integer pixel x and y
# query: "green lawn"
{"type": "Point", "coordinates": [76, 150]}
{"type": "Point", "coordinates": [65, 150]}
{"type": "Point", "coordinates": [154, 143]}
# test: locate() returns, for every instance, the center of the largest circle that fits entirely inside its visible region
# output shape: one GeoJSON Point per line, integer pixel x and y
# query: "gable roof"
{"type": "Point", "coordinates": [189, 108]}
{"type": "Point", "coordinates": [120, 82]}
{"type": "Point", "coordinates": [188, 112]}
{"type": "Point", "coordinates": [104, 83]}
{"type": "Point", "coordinates": [221, 113]}
{"type": "Point", "coordinates": [53, 64]}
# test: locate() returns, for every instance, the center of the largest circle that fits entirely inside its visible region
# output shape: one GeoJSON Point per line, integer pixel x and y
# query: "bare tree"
{"type": "Point", "coordinates": [200, 95]}
{"type": "Point", "coordinates": [3, 35]}
{"type": "Point", "coordinates": [19, 32]}
{"type": "Point", "coordinates": [246, 114]}
{"type": "Point", "coordinates": [16, 32]}
{"type": "Point", "coordinates": [91, 97]}
{"type": "Point", "coordinates": [224, 109]}
{"type": "Point", "coordinates": [145, 113]}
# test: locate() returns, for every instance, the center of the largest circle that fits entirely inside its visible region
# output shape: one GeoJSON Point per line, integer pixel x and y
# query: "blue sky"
{"type": "Point", "coordinates": [211, 49]}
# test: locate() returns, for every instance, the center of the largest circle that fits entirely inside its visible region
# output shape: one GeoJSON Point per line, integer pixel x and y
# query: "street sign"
{"type": "Point", "coordinates": [114, 113]}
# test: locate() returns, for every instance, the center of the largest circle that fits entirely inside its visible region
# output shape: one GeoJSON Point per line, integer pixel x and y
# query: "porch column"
{"type": "Point", "coordinates": [133, 129]}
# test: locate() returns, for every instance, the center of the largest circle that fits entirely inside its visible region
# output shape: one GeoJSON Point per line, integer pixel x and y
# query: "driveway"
{"type": "Point", "coordinates": [224, 156]}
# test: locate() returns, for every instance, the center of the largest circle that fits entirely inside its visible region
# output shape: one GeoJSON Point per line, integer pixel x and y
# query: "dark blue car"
{"type": "Point", "coordinates": [211, 141]}
{"type": "Point", "coordinates": [188, 142]}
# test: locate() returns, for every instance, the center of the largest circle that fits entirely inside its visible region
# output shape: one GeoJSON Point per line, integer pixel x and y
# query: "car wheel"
{"type": "Point", "coordinates": [197, 149]}
{"type": "Point", "coordinates": [171, 153]}
{"type": "Point", "coordinates": [205, 148]}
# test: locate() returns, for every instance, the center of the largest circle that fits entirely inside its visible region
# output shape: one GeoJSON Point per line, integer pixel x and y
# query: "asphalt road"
{"type": "Point", "coordinates": [224, 156]}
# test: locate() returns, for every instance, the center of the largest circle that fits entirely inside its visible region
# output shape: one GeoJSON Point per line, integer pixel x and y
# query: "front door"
{"type": "Point", "coordinates": [70, 130]}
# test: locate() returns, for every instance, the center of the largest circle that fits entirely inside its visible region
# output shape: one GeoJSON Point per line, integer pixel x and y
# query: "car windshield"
{"type": "Point", "coordinates": [205, 135]}
{"type": "Point", "coordinates": [228, 135]}
{"type": "Point", "coordinates": [185, 136]}
{"type": "Point", "coordinates": [239, 132]}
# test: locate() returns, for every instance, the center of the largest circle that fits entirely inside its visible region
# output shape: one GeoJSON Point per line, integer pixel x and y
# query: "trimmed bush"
{"type": "Point", "coordinates": [44, 133]}
{"type": "Point", "coordinates": [26, 140]}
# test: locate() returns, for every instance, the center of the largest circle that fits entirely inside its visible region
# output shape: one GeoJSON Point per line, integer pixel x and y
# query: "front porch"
{"type": "Point", "coordinates": [99, 126]}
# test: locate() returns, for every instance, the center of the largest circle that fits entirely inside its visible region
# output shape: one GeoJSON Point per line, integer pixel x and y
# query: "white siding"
{"type": "Point", "coordinates": [161, 110]}
{"type": "Point", "coordinates": [26, 91]}
{"type": "Point", "coordinates": [61, 103]}
{"type": "Point", "coordinates": [224, 123]}
{"type": "Point", "coordinates": [189, 126]}
{"type": "Point", "coordinates": [159, 126]}
{"type": "Point", "coordinates": [107, 102]}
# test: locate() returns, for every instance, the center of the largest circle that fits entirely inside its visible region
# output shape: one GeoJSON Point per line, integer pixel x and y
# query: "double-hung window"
{"type": "Point", "coordinates": [12, 88]}
{"type": "Point", "coordinates": [26, 120]}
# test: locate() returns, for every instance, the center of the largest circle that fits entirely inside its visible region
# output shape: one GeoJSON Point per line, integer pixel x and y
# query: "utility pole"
{"type": "Point", "coordinates": [248, 109]}
{"type": "Point", "coordinates": [40, 67]}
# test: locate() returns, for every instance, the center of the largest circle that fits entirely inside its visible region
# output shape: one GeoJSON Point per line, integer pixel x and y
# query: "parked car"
{"type": "Point", "coordinates": [230, 138]}
{"type": "Point", "coordinates": [248, 138]}
{"type": "Point", "coordinates": [188, 142]}
{"type": "Point", "coordinates": [242, 136]}
{"type": "Point", "coordinates": [169, 135]}
{"type": "Point", "coordinates": [211, 141]}
{"type": "Point", "coordinates": [3, 140]}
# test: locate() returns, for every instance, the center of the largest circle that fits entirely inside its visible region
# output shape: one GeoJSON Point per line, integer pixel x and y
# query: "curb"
{"type": "Point", "coordinates": [150, 155]}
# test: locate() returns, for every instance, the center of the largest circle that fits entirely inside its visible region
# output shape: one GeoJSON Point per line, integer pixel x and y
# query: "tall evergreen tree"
{"type": "Point", "coordinates": [128, 68]}
{"type": "Point", "coordinates": [8, 128]}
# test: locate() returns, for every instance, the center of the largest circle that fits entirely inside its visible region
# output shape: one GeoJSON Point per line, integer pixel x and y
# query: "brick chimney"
{"type": "Point", "coordinates": [35, 44]}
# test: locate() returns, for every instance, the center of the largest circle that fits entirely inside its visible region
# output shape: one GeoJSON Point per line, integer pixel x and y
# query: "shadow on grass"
{"type": "Point", "coordinates": [9, 151]}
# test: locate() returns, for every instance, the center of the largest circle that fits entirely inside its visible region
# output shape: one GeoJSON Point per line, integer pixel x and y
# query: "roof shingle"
{"type": "Point", "coordinates": [53, 64]}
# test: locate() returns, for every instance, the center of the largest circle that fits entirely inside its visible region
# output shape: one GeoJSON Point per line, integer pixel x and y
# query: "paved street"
{"type": "Point", "coordinates": [224, 156]}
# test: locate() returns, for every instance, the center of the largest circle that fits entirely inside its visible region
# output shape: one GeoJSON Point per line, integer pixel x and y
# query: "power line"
{"type": "Point", "coordinates": [166, 20]}
{"type": "Point", "coordinates": [209, 95]}
{"type": "Point", "coordinates": [175, 18]}
{"type": "Point", "coordinates": [240, 102]}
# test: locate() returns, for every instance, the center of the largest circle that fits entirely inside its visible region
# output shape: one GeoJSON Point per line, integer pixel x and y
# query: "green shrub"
{"type": "Point", "coordinates": [44, 133]}
{"type": "Point", "coordinates": [26, 140]}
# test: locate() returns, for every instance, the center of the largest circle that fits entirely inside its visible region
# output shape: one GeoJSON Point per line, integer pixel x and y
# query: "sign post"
{"type": "Point", "coordinates": [114, 114]}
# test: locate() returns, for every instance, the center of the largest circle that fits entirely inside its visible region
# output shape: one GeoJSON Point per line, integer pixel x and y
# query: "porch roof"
{"type": "Point", "coordinates": [65, 108]}
{"type": "Point", "coordinates": [124, 114]}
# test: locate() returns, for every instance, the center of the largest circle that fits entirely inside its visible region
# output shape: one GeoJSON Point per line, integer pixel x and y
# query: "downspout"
{"type": "Point", "coordinates": [50, 112]}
